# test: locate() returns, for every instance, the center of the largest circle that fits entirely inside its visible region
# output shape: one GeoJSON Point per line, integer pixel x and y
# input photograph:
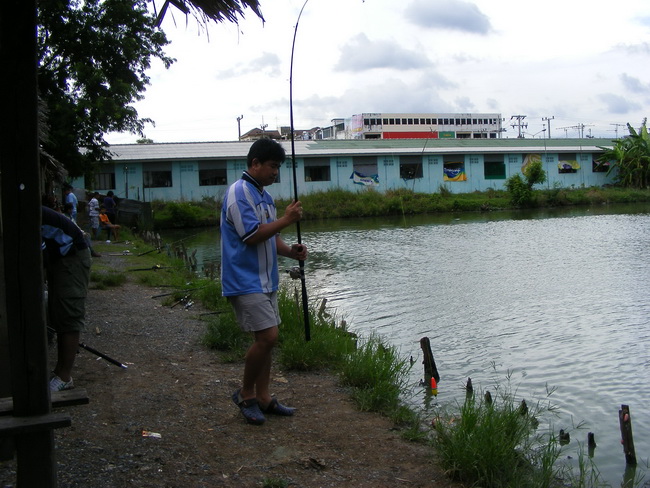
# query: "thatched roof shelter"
{"type": "Point", "coordinates": [215, 10]}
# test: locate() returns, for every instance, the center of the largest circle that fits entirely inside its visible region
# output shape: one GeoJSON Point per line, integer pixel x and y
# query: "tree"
{"type": "Point", "coordinates": [93, 56]}
{"type": "Point", "coordinates": [521, 192]}
{"type": "Point", "coordinates": [630, 157]}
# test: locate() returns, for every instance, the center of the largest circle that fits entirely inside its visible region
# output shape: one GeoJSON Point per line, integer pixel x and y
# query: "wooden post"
{"type": "Point", "coordinates": [21, 239]}
{"type": "Point", "coordinates": [625, 421]}
{"type": "Point", "coordinates": [469, 389]}
{"type": "Point", "coordinates": [430, 370]}
{"type": "Point", "coordinates": [591, 444]}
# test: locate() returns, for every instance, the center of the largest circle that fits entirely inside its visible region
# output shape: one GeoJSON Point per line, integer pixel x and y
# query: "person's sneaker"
{"type": "Point", "coordinates": [57, 384]}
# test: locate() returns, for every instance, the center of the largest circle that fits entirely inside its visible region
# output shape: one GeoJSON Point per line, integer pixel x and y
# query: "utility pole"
{"type": "Point", "coordinates": [548, 122]}
{"type": "Point", "coordinates": [519, 124]}
{"type": "Point", "coordinates": [263, 127]}
{"type": "Point", "coordinates": [616, 126]}
{"type": "Point", "coordinates": [239, 126]}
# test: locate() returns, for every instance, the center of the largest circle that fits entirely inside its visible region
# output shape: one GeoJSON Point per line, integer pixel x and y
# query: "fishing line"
{"type": "Point", "coordinates": [301, 263]}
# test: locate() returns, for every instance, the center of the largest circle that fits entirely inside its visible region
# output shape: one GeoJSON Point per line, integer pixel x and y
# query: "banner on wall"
{"type": "Point", "coordinates": [454, 172]}
{"type": "Point", "coordinates": [568, 166]}
{"type": "Point", "coordinates": [530, 158]}
{"type": "Point", "coordinates": [361, 179]}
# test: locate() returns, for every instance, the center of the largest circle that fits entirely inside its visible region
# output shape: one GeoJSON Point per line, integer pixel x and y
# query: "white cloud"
{"type": "Point", "coordinates": [448, 14]}
{"type": "Point", "coordinates": [362, 54]}
{"type": "Point", "coordinates": [617, 104]}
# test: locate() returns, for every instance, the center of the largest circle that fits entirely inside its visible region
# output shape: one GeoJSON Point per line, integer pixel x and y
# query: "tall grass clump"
{"type": "Point", "coordinates": [494, 444]}
{"type": "Point", "coordinates": [224, 334]}
{"type": "Point", "coordinates": [377, 374]}
{"type": "Point", "coordinates": [328, 346]}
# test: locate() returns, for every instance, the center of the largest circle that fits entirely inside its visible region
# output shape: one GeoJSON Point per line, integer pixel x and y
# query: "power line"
{"type": "Point", "coordinates": [519, 124]}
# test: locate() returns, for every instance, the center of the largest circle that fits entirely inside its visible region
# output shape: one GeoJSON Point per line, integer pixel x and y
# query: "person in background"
{"type": "Point", "coordinates": [67, 211]}
{"type": "Point", "coordinates": [93, 215]}
{"type": "Point", "coordinates": [71, 198]}
{"type": "Point", "coordinates": [111, 206]}
{"type": "Point", "coordinates": [250, 244]}
{"type": "Point", "coordinates": [67, 264]}
{"type": "Point", "coordinates": [105, 223]}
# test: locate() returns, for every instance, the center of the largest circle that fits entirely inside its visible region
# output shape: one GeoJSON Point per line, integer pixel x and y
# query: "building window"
{"type": "Point", "coordinates": [317, 173]}
{"type": "Point", "coordinates": [388, 162]}
{"type": "Point", "coordinates": [240, 165]}
{"type": "Point", "coordinates": [157, 179]}
{"type": "Point", "coordinates": [473, 160]}
{"type": "Point", "coordinates": [433, 160]}
{"type": "Point", "coordinates": [512, 159]}
{"type": "Point", "coordinates": [317, 169]}
{"type": "Point", "coordinates": [598, 167]}
{"type": "Point", "coordinates": [410, 167]}
{"type": "Point", "coordinates": [212, 177]}
{"type": "Point", "coordinates": [495, 170]}
{"type": "Point", "coordinates": [343, 163]}
{"type": "Point", "coordinates": [105, 181]}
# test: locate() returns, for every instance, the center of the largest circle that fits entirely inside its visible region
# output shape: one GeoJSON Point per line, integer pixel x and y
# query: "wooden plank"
{"type": "Point", "coordinates": [65, 398]}
{"type": "Point", "coordinates": [12, 426]}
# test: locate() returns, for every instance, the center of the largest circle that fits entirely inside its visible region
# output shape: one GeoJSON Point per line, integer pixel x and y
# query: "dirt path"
{"type": "Point", "coordinates": [176, 388]}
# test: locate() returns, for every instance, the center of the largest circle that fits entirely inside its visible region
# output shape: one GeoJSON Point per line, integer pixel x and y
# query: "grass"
{"type": "Point", "coordinates": [495, 444]}
{"type": "Point", "coordinates": [339, 203]}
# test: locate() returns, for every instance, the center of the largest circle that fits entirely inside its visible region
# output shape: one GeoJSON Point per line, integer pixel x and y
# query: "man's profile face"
{"type": "Point", "coordinates": [265, 172]}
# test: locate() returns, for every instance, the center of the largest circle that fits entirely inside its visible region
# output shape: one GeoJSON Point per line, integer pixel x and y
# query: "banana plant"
{"type": "Point", "coordinates": [630, 157]}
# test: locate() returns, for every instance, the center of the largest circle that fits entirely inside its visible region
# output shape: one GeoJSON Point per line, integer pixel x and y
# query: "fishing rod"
{"type": "Point", "coordinates": [301, 263]}
{"type": "Point", "coordinates": [96, 352]}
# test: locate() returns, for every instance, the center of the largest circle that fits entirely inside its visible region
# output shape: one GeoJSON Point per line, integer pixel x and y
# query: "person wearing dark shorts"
{"type": "Point", "coordinates": [250, 245]}
{"type": "Point", "coordinates": [67, 263]}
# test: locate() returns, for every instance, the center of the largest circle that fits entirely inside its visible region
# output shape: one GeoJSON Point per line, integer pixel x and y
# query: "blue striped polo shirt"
{"type": "Point", "coordinates": [245, 268]}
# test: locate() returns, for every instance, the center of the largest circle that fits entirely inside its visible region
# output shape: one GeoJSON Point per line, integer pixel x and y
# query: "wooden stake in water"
{"type": "Point", "coordinates": [430, 370]}
{"type": "Point", "coordinates": [627, 440]}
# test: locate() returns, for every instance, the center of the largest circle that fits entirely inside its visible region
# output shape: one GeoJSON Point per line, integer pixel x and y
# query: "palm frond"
{"type": "Point", "coordinates": [215, 10]}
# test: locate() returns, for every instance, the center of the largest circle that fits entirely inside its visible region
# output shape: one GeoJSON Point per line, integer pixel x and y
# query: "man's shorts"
{"type": "Point", "coordinates": [67, 287]}
{"type": "Point", "coordinates": [257, 311]}
{"type": "Point", "coordinates": [94, 221]}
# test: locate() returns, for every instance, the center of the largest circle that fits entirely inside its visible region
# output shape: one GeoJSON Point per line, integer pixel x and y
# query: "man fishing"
{"type": "Point", "coordinates": [250, 244]}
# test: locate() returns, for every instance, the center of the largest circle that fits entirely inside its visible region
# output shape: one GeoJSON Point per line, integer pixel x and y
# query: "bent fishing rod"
{"type": "Point", "coordinates": [301, 263]}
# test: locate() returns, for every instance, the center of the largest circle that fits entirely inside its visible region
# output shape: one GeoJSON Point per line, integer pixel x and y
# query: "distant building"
{"type": "Point", "coordinates": [423, 126]}
{"type": "Point", "coordinates": [194, 171]}
{"type": "Point", "coordinates": [396, 126]}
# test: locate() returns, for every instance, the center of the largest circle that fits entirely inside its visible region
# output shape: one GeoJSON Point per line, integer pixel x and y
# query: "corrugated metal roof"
{"type": "Point", "coordinates": [239, 150]}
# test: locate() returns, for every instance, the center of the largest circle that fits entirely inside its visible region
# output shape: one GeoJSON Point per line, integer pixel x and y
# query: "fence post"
{"type": "Point", "coordinates": [625, 422]}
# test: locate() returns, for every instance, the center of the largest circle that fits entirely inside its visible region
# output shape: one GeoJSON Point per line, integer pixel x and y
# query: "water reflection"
{"type": "Point", "coordinates": [555, 298]}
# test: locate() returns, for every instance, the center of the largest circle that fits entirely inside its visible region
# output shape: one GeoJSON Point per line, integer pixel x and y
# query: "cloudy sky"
{"type": "Point", "coordinates": [576, 61]}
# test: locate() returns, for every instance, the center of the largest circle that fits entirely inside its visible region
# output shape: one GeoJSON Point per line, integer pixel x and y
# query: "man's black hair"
{"type": "Point", "coordinates": [266, 150]}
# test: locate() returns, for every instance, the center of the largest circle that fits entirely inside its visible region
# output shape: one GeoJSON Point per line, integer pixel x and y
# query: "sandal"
{"type": "Point", "coordinates": [276, 408]}
{"type": "Point", "coordinates": [250, 409]}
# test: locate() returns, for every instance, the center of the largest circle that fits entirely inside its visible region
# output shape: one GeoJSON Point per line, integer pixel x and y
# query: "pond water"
{"type": "Point", "coordinates": [552, 300]}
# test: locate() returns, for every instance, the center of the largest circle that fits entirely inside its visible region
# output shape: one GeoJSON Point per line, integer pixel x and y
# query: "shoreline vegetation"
{"type": "Point", "coordinates": [505, 447]}
{"type": "Point", "coordinates": [370, 203]}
